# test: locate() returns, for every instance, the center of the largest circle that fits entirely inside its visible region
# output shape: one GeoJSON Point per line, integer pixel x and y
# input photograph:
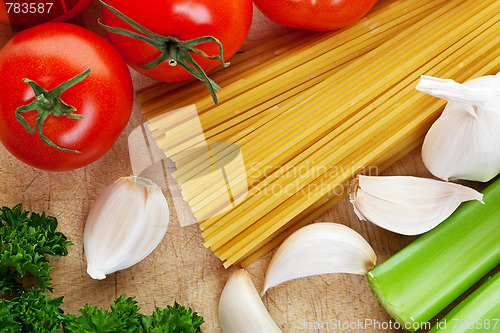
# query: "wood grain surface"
{"type": "Point", "coordinates": [181, 268]}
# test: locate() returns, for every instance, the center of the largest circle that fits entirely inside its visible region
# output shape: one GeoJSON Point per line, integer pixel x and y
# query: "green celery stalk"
{"type": "Point", "coordinates": [418, 282]}
{"type": "Point", "coordinates": [479, 312]}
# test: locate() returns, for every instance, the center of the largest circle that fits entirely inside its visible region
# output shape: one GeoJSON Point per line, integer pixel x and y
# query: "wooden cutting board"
{"type": "Point", "coordinates": [181, 268]}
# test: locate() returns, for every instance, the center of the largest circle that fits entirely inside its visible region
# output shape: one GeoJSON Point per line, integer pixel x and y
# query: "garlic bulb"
{"type": "Point", "coordinates": [464, 143]}
{"type": "Point", "coordinates": [320, 248]}
{"type": "Point", "coordinates": [126, 222]}
{"type": "Point", "coordinates": [240, 308]}
{"type": "Point", "coordinates": [407, 205]}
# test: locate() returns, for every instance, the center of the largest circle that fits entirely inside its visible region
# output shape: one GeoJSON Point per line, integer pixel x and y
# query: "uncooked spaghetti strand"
{"type": "Point", "coordinates": [428, 114]}
{"type": "Point", "coordinates": [297, 122]}
{"type": "Point", "coordinates": [312, 213]}
{"type": "Point", "coordinates": [238, 60]}
{"type": "Point", "coordinates": [223, 234]}
{"type": "Point", "coordinates": [195, 91]}
{"type": "Point", "coordinates": [250, 198]}
{"type": "Point", "coordinates": [384, 14]}
{"type": "Point", "coordinates": [245, 104]}
{"type": "Point", "coordinates": [484, 66]}
{"type": "Point", "coordinates": [321, 64]}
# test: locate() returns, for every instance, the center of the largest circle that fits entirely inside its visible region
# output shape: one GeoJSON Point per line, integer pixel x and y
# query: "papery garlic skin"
{"type": "Point", "coordinates": [464, 142]}
{"type": "Point", "coordinates": [240, 308]}
{"type": "Point", "coordinates": [320, 248]}
{"type": "Point", "coordinates": [125, 224]}
{"type": "Point", "coordinates": [407, 205]}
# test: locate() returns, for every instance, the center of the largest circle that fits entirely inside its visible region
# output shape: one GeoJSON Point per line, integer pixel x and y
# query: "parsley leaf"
{"type": "Point", "coordinates": [25, 239]}
{"type": "Point", "coordinates": [32, 311]}
{"type": "Point", "coordinates": [8, 283]}
{"type": "Point", "coordinates": [173, 319]}
{"type": "Point", "coordinates": [124, 317]}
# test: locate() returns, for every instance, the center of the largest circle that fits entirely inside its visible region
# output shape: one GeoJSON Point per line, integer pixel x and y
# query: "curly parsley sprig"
{"type": "Point", "coordinates": [25, 239]}
{"type": "Point", "coordinates": [124, 317]}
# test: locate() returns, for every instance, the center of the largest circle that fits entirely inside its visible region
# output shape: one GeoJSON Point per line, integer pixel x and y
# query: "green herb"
{"type": "Point", "coordinates": [175, 319]}
{"type": "Point", "coordinates": [8, 283]}
{"type": "Point", "coordinates": [426, 276]}
{"type": "Point", "coordinates": [480, 311]}
{"type": "Point", "coordinates": [32, 311]}
{"type": "Point", "coordinates": [124, 317]}
{"type": "Point", "coordinates": [25, 239]}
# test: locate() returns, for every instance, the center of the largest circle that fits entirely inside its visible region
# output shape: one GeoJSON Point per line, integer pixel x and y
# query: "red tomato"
{"type": "Point", "coordinates": [314, 14]}
{"type": "Point", "coordinates": [227, 20]}
{"type": "Point", "coordinates": [33, 12]}
{"type": "Point", "coordinates": [51, 54]}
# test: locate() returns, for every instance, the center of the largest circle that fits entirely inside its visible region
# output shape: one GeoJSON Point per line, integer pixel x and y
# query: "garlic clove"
{"type": "Point", "coordinates": [319, 248]}
{"type": "Point", "coordinates": [464, 143]}
{"type": "Point", "coordinates": [125, 224]}
{"type": "Point", "coordinates": [407, 205]}
{"type": "Point", "coordinates": [240, 308]}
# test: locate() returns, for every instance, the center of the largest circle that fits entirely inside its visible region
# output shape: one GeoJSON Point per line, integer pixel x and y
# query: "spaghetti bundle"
{"type": "Point", "coordinates": [344, 102]}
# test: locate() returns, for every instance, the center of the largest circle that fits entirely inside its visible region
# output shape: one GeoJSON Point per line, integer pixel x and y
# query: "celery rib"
{"type": "Point", "coordinates": [479, 312]}
{"type": "Point", "coordinates": [422, 279]}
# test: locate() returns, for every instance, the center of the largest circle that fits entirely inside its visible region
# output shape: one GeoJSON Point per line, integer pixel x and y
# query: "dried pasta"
{"type": "Point", "coordinates": [330, 107]}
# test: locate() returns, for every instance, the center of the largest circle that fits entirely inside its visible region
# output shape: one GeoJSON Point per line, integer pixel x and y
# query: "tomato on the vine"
{"type": "Point", "coordinates": [228, 21]}
{"type": "Point", "coordinates": [34, 12]}
{"type": "Point", "coordinates": [315, 14]}
{"type": "Point", "coordinates": [66, 96]}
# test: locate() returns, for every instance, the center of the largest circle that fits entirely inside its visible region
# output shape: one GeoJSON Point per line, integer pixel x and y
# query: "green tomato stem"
{"type": "Point", "coordinates": [173, 50]}
{"type": "Point", "coordinates": [48, 103]}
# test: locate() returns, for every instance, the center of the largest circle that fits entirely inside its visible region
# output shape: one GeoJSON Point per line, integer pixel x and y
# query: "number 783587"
{"type": "Point", "coordinates": [28, 7]}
